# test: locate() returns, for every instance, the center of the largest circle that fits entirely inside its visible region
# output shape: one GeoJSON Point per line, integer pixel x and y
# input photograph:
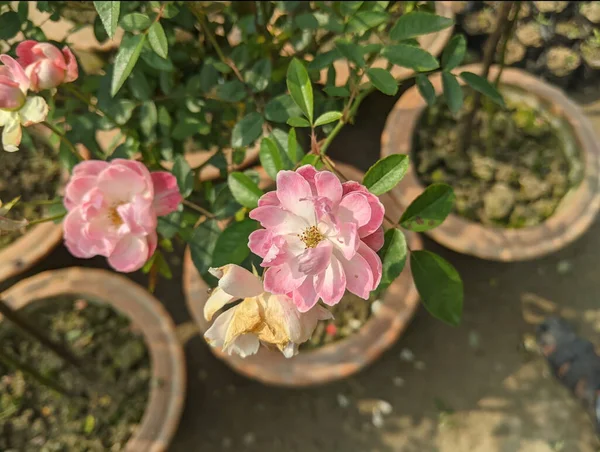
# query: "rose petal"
{"type": "Point", "coordinates": [72, 69]}
{"type": "Point", "coordinates": [130, 254]}
{"type": "Point", "coordinates": [331, 284]}
{"type": "Point", "coordinates": [315, 260]}
{"type": "Point", "coordinates": [166, 193]}
{"type": "Point", "coordinates": [278, 220]}
{"type": "Point", "coordinates": [329, 185]}
{"type": "Point", "coordinates": [239, 282]}
{"type": "Point", "coordinates": [294, 193]}
{"type": "Point", "coordinates": [375, 241]}
{"type": "Point", "coordinates": [34, 111]}
{"type": "Point", "coordinates": [24, 52]}
{"type": "Point", "coordinates": [269, 199]}
{"type": "Point", "coordinates": [374, 262]}
{"type": "Point", "coordinates": [11, 135]}
{"type": "Point", "coordinates": [305, 296]}
{"type": "Point", "coordinates": [347, 239]}
{"type": "Point", "coordinates": [218, 298]}
{"type": "Point", "coordinates": [17, 73]}
{"type": "Point", "coordinates": [283, 279]}
{"type": "Point", "coordinates": [355, 207]}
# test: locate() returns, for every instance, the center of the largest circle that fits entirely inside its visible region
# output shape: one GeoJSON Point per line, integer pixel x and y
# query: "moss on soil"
{"type": "Point", "coordinates": [34, 174]}
{"type": "Point", "coordinates": [517, 169]}
{"type": "Point", "coordinates": [34, 418]}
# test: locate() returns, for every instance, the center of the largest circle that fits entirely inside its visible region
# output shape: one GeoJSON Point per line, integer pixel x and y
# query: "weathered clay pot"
{"type": "Point", "coordinates": [29, 249]}
{"type": "Point", "coordinates": [333, 361]}
{"type": "Point", "coordinates": [166, 400]}
{"type": "Point", "coordinates": [433, 43]}
{"type": "Point", "coordinates": [574, 214]}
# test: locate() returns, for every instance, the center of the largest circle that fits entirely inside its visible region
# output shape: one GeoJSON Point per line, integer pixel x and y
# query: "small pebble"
{"type": "Point", "coordinates": [377, 419]}
{"type": "Point", "coordinates": [226, 442]}
{"type": "Point", "coordinates": [343, 401]}
{"type": "Point", "coordinates": [407, 355]}
{"type": "Point", "coordinates": [248, 439]}
{"type": "Point", "coordinates": [564, 266]}
{"type": "Point", "coordinates": [398, 381]}
{"type": "Point", "coordinates": [355, 324]}
{"type": "Point", "coordinates": [376, 306]}
{"type": "Point", "coordinates": [474, 341]}
{"type": "Point", "coordinates": [331, 329]}
{"type": "Point", "coordinates": [420, 365]}
{"type": "Point", "coordinates": [80, 305]}
{"type": "Point", "coordinates": [530, 343]}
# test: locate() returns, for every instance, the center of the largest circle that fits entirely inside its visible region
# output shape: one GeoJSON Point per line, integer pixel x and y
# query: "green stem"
{"type": "Point", "coordinates": [27, 370]}
{"type": "Point", "coordinates": [44, 202]}
{"type": "Point", "coordinates": [46, 219]}
{"type": "Point", "coordinates": [63, 137]}
{"type": "Point", "coordinates": [510, 26]}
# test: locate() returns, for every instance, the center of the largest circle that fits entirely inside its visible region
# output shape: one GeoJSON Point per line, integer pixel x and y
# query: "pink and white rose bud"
{"type": "Point", "coordinates": [16, 108]}
{"type": "Point", "coordinates": [320, 237]}
{"type": "Point", "coordinates": [113, 208]}
{"type": "Point", "coordinates": [45, 65]}
{"type": "Point", "coordinates": [261, 317]}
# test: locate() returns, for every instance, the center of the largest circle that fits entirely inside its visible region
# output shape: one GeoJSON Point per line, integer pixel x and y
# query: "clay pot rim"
{"type": "Point", "coordinates": [312, 367]}
{"type": "Point", "coordinates": [165, 402]}
{"type": "Point", "coordinates": [575, 213]}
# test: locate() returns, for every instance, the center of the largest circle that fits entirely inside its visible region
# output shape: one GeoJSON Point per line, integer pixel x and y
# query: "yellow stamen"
{"type": "Point", "coordinates": [311, 237]}
{"type": "Point", "coordinates": [114, 216]}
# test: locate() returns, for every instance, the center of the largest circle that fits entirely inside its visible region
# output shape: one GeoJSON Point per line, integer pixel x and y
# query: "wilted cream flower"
{"type": "Point", "coordinates": [259, 317]}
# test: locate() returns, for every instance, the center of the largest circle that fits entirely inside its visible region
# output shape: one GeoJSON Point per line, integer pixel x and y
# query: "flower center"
{"type": "Point", "coordinates": [114, 216]}
{"type": "Point", "coordinates": [311, 237]}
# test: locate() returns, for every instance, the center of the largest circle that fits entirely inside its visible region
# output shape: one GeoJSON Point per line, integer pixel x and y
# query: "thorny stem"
{"type": "Point", "coordinates": [197, 208]}
{"type": "Point", "coordinates": [64, 138]}
{"type": "Point", "coordinates": [46, 219]}
{"type": "Point", "coordinates": [510, 26]}
{"type": "Point", "coordinates": [33, 373]}
{"type": "Point", "coordinates": [465, 131]}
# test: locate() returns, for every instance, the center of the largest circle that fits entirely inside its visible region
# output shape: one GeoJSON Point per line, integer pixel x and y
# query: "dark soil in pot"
{"type": "Point", "coordinates": [34, 417]}
{"type": "Point", "coordinates": [520, 164]}
{"type": "Point", "coordinates": [33, 173]}
{"type": "Point", "coordinates": [349, 315]}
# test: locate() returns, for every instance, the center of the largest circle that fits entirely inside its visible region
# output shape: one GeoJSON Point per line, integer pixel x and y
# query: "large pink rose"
{"type": "Point", "coordinates": [113, 209]}
{"type": "Point", "coordinates": [45, 65]}
{"type": "Point", "coordinates": [320, 237]}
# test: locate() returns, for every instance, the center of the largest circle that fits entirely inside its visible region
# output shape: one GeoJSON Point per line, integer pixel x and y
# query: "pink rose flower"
{"type": "Point", "coordinates": [113, 208]}
{"type": "Point", "coordinates": [261, 317]}
{"type": "Point", "coordinates": [320, 237]}
{"type": "Point", "coordinates": [16, 109]}
{"type": "Point", "coordinates": [45, 65]}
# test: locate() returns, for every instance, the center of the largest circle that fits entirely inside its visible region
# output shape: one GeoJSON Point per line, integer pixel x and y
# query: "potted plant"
{"type": "Point", "coordinates": [523, 164]}
{"type": "Point", "coordinates": [100, 366]}
{"type": "Point", "coordinates": [320, 232]}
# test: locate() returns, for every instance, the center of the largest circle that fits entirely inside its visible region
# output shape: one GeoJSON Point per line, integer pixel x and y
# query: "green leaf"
{"type": "Point", "coordinates": [417, 23]}
{"type": "Point", "coordinates": [259, 76]}
{"type": "Point", "coordinates": [312, 159]}
{"type": "Point", "coordinates": [393, 256]}
{"type": "Point", "coordinates": [426, 89]}
{"type": "Point", "coordinates": [349, 7]}
{"type": "Point", "coordinates": [328, 117]}
{"type": "Point", "coordinates": [232, 91]}
{"type": "Point", "coordinates": [280, 108]}
{"type": "Point", "coordinates": [337, 91]}
{"type": "Point", "coordinates": [148, 118]}
{"type": "Point", "coordinates": [202, 245]}
{"type": "Point", "coordinates": [482, 85]}
{"type": "Point", "coordinates": [386, 173]}
{"type": "Point", "coordinates": [188, 126]}
{"type": "Point", "coordinates": [109, 15]}
{"type": "Point", "coordinates": [300, 88]}
{"type": "Point", "coordinates": [127, 56]}
{"type": "Point", "coordinates": [439, 286]}
{"type": "Point", "coordinates": [365, 20]}
{"type": "Point", "coordinates": [23, 11]}
{"type": "Point", "coordinates": [452, 92]}
{"type": "Point", "coordinates": [270, 157]}
{"type": "Point", "coordinates": [383, 81]}
{"type": "Point", "coordinates": [292, 146]}
{"type": "Point", "coordinates": [158, 40]}
{"type": "Point", "coordinates": [244, 190]}
{"type": "Point", "coordinates": [306, 21]}
{"type": "Point", "coordinates": [429, 209]}
{"type": "Point", "coordinates": [297, 121]}
{"type": "Point", "coordinates": [247, 130]}
{"type": "Point", "coordinates": [10, 24]}
{"type": "Point", "coordinates": [135, 22]}
{"type": "Point", "coordinates": [352, 52]}
{"type": "Point", "coordinates": [184, 175]}
{"type": "Point", "coordinates": [454, 52]}
{"type": "Point", "coordinates": [412, 57]}
{"type": "Point", "coordinates": [322, 60]}
{"type": "Point", "coordinates": [232, 244]}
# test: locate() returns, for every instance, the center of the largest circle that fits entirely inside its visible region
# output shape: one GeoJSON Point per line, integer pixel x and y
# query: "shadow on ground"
{"type": "Point", "coordinates": [471, 388]}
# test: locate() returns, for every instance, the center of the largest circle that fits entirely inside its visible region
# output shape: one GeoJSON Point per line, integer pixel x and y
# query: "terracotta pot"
{"type": "Point", "coordinates": [165, 403]}
{"type": "Point", "coordinates": [433, 43]}
{"type": "Point", "coordinates": [574, 214]}
{"type": "Point", "coordinates": [331, 362]}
